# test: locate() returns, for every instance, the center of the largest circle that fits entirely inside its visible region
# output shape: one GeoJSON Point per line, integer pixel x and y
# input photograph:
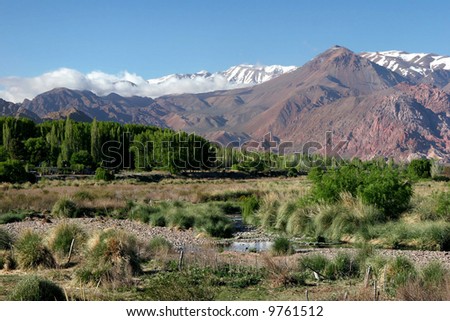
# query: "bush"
{"type": "Point", "coordinates": [176, 286]}
{"type": "Point", "coordinates": [5, 240]}
{"type": "Point", "coordinates": [13, 172]}
{"type": "Point", "coordinates": [249, 206]}
{"type": "Point", "coordinates": [433, 274]}
{"type": "Point", "coordinates": [432, 235]}
{"type": "Point", "coordinates": [111, 258]}
{"type": "Point", "coordinates": [182, 220]}
{"type": "Point", "coordinates": [282, 246]}
{"type": "Point", "coordinates": [64, 208]}
{"type": "Point", "coordinates": [33, 288]}
{"type": "Point", "coordinates": [420, 168]}
{"type": "Point", "coordinates": [102, 174]}
{"type": "Point", "coordinates": [7, 260]}
{"type": "Point", "coordinates": [82, 157]}
{"type": "Point", "coordinates": [315, 262]}
{"type": "Point", "coordinates": [341, 267]}
{"type": "Point", "coordinates": [158, 219]}
{"type": "Point", "coordinates": [443, 205]}
{"type": "Point", "coordinates": [385, 190]}
{"type": "Point", "coordinates": [215, 224]}
{"type": "Point", "coordinates": [32, 253]}
{"type": "Point", "coordinates": [159, 244]}
{"type": "Point", "coordinates": [374, 185]}
{"type": "Point", "coordinates": [83, 196]}
{"type": "Point", "coordinates": [141, 213]}
{"type": "Point", "coordinates": [14, 216]}
{"type": "Point", "coordinates": [62, 236]}
{"type": "Point", "coordinates": [399, 271]}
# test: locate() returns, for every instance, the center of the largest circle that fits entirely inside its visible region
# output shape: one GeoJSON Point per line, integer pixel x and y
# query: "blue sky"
{"type": "Point", "coordinates": [155, 38]}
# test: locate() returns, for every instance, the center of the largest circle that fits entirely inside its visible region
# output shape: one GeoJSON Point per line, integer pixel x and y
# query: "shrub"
{"type": "Point", "coordinates": [64, 208]}
{"type": "Point", "coordinates": [7, 260]}
{"type": "Point", "coordinates": [433, 274]}
{"type": "Point", "coordinates": [179, 286]}
{"type": "Point", "coordinates": [32, 253]}
{"type": "Point", "coordinates": [282, 246]}
{"type": "Point", "coordinates": [420, 168]}
{"type": "Point", "coordinates": [159, 244]}
{"type": "Point", "coordinates": [249, 206]}
{"type": "Point", "coordinates": [141, 213]}
{"type": "Point", "coordinates": [374, 185]}
{"type": "Point", "coordinates": [12, 217]}
{"type": "Point", "coordinates": [315, 262]}
{"type": "Point", "coordinates": [301, 221]}
{"type": "Point", "coordinates": [215, 224]}
{"type": "Point", "coordinates": [82, 157]}
{"type": "Point", "coordinates": [385, 190]}
{"type": "Point", "coordinates": [284, 212]}
{"type": "Point", "coordinates": [12, 171]}
{"type": "Point", "coordinates": [62, 236]}
{"type": "Point", "coordinates": [229, 208]}
{"type": "Point", "coordinates": [341, 267]}
{"type": "Point", "coordinates": [158, 219]}
{"type": "Point", "coordinates": [111, 258]}
{"type": "Point", "coordinates": [399, 271]}
{"type": "Point", "coordinates": [433, 235]}
{"type": "Point", "coordinates": [443, 205]}
{"type": "Point", "coordinates": [102, 174]}
{"type": "Point", "coordinates": [182, 220]}
{"type": "Point", "coordinates": [83, 196]}
{"type": "Point", "coordinates": [268, 209]}
{"type": "Point", "coordinates": [33, 288]}
{"type": "Point", "coordinates": [5, 240]}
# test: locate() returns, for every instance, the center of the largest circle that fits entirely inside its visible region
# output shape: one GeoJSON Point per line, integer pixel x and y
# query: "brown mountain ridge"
{"type": "Point", "coordinates": [377, 112]}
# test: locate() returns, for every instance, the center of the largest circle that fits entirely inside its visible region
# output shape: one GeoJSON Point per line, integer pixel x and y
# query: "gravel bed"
{"type": "Point", "coordinates": [143, 232]}
{"type": "Point", "coordinates": [189, 238]}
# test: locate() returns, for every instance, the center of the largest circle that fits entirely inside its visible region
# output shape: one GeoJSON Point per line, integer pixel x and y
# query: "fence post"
{"type": "Point", "coordinates": [367, 276]}
{"type": "Point", "coordinates": [180, 261]}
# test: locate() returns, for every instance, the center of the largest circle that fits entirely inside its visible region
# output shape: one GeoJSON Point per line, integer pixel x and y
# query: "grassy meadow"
{"type": "Point", "coordinates": [68, 262]}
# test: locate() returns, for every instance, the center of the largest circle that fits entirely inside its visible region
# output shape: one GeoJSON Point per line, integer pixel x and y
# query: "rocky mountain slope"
{"type": "Point", "coordinates": [373, 110]}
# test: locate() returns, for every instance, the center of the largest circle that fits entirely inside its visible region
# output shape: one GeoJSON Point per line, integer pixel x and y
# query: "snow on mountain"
{"type": "Point", "coordinates": [252, 74]}
{"type": "Point", "coordinates": [236, 76]}
{"type": "Point", "coordinates": [126, 84]}
{"type": "Point", "coordinates": [409, 64]}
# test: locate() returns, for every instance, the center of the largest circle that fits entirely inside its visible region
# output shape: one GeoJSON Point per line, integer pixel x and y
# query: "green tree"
{"type": "Point", "coordinates": [13, 172]}
{"type": "Point", "coordinates": [37, 150]}
{"type": "Point", "coordinates": [81, 158]}
{"type": "Point", "coordinates": [68, 143]}
{"type": "Point", "coordinates": [95, 142]}
{"type": "Point", "coordinates": [420, 168]}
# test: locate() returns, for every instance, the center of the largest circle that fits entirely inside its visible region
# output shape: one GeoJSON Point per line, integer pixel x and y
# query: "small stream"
{"type": "Point", "coordinates": [248, 246]}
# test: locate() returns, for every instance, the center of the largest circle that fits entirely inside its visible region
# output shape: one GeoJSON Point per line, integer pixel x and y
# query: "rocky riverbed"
{"type": "Point", "coordinates": [190, 238]}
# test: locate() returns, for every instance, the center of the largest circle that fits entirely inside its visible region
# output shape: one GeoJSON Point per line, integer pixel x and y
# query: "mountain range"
{"type": "Point", "coordinates": [389, 104]}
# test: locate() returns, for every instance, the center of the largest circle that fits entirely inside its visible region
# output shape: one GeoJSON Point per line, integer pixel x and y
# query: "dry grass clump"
{"type": "Point", "coordinates": [31, 252]}
{"type": "Point", "coordinates": [111, 258]}
{"type": "Point", "coordinates": [61, 238]}
{"type": "Point", "coordinates": [34, 288]}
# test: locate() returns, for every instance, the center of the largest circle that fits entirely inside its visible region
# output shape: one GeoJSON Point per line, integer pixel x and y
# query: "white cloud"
{"type": "Point", "coordinates": [16, 89]}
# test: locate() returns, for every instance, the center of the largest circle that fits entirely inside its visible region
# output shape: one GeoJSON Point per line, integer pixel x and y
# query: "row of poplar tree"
{"type": "Point", "coordinates": [81, 145]}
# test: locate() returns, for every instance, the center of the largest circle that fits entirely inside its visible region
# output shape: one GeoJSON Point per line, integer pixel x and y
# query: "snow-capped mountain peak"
{"type": "Point", "coordinates": [254, 74]}
{"type": "Point", "coordinates": [236, 76]}
{"type": "Point", "coordinates": [409, 64]}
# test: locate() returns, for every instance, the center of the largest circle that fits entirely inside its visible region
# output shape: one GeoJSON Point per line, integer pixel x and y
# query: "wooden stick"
{"type": "Point", "coordinates": [70, 251]}
{"type": "Point", "coordinates": [375, 290]}
{"type": "Point", "coordinates": [180, 262]}
{"type": "Point", "coordinates": [368, 276]}
{"type": "Point", "coordinates": [307, 295]}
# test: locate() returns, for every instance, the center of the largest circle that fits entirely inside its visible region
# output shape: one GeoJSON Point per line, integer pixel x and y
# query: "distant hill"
{"type": "Point", "coordinates": [377, 109]}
